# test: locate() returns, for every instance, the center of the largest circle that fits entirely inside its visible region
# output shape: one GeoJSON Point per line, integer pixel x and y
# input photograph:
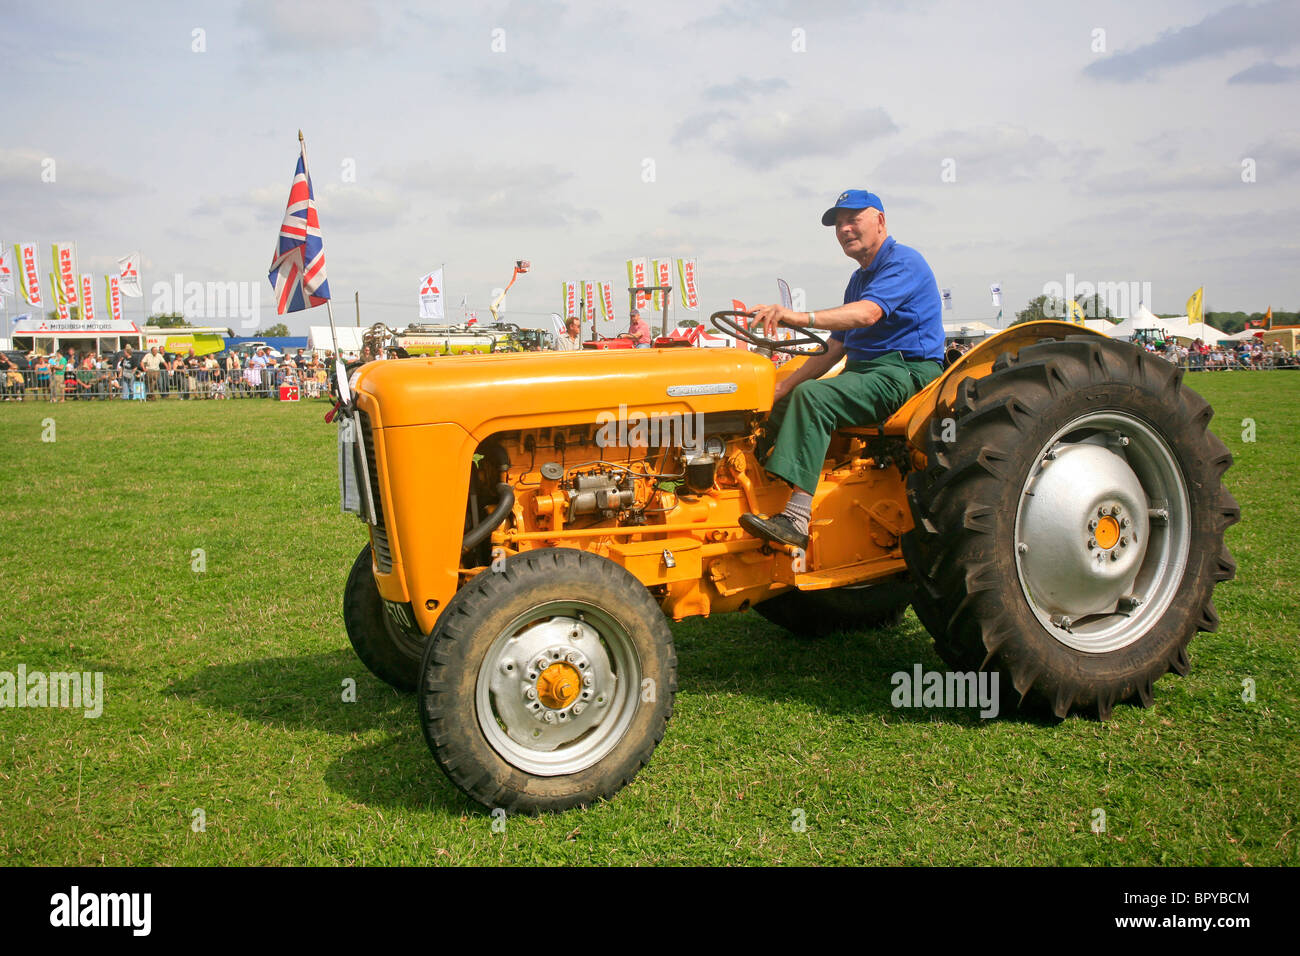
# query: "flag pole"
{"type": "Point", "coordinates": [340, 370]}
{"type": "Point", "coordinates": [329, 310]}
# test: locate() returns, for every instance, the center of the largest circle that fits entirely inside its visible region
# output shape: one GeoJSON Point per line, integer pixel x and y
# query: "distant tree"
{"type": "Point", "coordinates": [1230, 322]}
{"type": "Point", "coordinates": [279, 330]}
{"type": "Point", "coordinates": [168, 320]}
{"type": "Point", "coordinates": [1041, 307]}
{"type": "Point", "coordinates": [1094, 307]}
{"type": "Point", "coordinates": [74, 312]}
{"type": "Point", "coordinates": [687, 324]}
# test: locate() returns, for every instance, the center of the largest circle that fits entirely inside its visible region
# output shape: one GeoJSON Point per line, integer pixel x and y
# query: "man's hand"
{"type": "Point", "coordinates": [772, 316]}
{"type": "Point", "coordinates": [782, 389]}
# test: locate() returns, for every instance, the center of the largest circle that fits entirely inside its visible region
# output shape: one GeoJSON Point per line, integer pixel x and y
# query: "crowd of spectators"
{"type": "Point", "coordinates": [1199, 356]}
{"type": "Point", "coordinates": [155, 375]}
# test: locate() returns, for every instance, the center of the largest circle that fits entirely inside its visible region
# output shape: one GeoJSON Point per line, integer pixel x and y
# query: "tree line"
{"type": "Point", "coordinates": [1044, 307]}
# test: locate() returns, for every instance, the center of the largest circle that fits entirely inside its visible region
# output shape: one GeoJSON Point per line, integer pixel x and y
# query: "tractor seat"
{"type": "Point", "coordinates": [860, 431]}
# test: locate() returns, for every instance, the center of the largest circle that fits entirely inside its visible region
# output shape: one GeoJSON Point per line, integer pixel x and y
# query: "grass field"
{"type": "Point", "coordinates": [224, 689]}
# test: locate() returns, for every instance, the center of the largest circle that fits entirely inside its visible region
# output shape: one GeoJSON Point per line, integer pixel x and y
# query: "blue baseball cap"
{"type": "Point", "coordinates": [852, 199]}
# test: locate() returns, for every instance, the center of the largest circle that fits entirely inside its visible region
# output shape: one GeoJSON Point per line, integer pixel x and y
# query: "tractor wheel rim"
{"type": "Point", "coordinates": [558, 688]}
{"type": "Point", "coordinates": [1102, 531]}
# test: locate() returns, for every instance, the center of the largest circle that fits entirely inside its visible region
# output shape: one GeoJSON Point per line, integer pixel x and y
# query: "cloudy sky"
{"type": "Point", "coordinates": [1017, 142]}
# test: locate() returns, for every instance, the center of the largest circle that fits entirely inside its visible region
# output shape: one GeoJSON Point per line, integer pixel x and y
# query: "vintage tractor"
{"type": "Point", "coordinates": [1051, 506]}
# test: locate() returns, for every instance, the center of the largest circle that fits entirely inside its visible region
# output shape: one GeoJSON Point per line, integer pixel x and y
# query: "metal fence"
{"type": "Point", "coordinates": [1231, 361]}
{"type": "Point", "coordinates": [58, 385]}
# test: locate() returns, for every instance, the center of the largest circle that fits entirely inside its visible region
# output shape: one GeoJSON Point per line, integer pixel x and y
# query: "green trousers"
{"type": "Point", "coordinates": [864, 393]}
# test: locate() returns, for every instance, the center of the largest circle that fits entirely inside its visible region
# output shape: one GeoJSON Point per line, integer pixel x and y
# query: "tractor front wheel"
{"type": "Point", "coordinates": [547, 684]}
{"type": "Point", "coordinates": [1069, 524]}
{"type": "Point", "coordinates": [388, 652]}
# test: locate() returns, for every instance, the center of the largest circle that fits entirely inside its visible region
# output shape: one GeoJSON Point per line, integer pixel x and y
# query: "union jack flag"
{"type": "Point", "coordinates": [298, 267]}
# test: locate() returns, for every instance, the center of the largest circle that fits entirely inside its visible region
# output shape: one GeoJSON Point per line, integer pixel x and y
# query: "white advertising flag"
{"type": "Point", "coordinates": [6, 271]}
{"type": "Point", "coordinates": [64, 256]}
{"type": "Point", "coordinates": [128, 269]}
{"type": "Point", "coordinates": [29, 273]}
{"type": "Point", "coordinates": [607, 301]}
{"type": "Point", "coordinates": [947, 298]}
{"type": "Point", "coordinates": [995, 290]}
{"type": "Point", "coordinates": [690, 293]}
{"type": "Point", "coordinates": [431, 296]}
{"type": "Point", "coordinates": [113, 297]}
{"type": "Point", "coordinates": [636, 279]}
{"type": "Point", "coordinates": [88, 297]}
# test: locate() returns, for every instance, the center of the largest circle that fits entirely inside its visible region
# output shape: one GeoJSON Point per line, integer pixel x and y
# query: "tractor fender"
{"type": "Point", "coordinates": [912, 419]}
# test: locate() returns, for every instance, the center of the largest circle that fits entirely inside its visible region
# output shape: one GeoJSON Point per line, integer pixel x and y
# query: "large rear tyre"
{"type": "Point", "coordinates": [1069, 524]}
{"type": "Point", "coordinates": [547, 685]}
{"type": "Point", "coordinates": [388, 652]}
{"type": "Point", "coordinates": [855, 608]}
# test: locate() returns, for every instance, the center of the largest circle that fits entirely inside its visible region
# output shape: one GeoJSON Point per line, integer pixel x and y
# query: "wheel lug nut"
{"type": "Point", "coordinates": [1114, 555]}
{"type": "Point", "coordinates": [1123, 542]}
{"type": "Point", "coordinates": [530, 692]}
{"type": "Point", "coordinates": [587, 680]}
{"type": "Point", "coordinates": [1092, 525]}
{"type": "Point", "coordinates": [1092, 543]}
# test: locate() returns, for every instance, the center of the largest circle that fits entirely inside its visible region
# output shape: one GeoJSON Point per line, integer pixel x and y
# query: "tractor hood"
{"type": "Point", "coordinates": [491, 393]}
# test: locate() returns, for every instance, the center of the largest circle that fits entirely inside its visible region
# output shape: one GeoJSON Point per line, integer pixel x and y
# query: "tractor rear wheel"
{"type": "Point", "coordinates": [879, 604]}
{"type": "Point", "coordinates": [548, 684]}
{"type": "Point", "coordinates": [1069, 524]}
{"type": "Point", "coordinates": [388, 652]}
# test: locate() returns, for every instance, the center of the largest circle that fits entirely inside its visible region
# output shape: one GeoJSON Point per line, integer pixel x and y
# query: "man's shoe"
{"type": "Point", "coordinates": [777, 528]}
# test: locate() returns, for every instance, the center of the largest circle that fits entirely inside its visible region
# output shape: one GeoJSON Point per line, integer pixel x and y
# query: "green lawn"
{"type": "Point", "coordinates": [224, 689]}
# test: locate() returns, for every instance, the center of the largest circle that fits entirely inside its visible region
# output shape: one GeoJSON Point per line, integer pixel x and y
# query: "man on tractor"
{"type": "Point", "coordinates": [889, 328]}
{"type": "Point", "coordinates": [638, 330]}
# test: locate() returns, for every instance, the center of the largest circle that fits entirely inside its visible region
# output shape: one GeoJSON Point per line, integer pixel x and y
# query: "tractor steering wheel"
{"type": "Point", "coordinates": [726, 322]}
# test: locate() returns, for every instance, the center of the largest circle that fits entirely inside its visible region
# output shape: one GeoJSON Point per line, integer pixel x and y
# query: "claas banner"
{"type": "Point", "coordinates": [690, 292]}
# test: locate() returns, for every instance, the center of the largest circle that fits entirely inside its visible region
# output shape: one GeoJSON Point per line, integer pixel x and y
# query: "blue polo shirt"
{"type": "Point", "coordinates": [900, 281]}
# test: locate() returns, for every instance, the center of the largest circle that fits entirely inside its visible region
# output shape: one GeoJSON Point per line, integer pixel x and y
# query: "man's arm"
{"type": "Point", "coordinates": [851, 315]}
{"type": "Point", "coordinates": [814, 367]}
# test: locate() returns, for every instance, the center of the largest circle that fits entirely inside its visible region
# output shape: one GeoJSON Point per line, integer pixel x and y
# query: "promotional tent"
{"type": "Point", "coordinates": [319, 340]}
{"type": "Point", "coordinates": [47, 336]}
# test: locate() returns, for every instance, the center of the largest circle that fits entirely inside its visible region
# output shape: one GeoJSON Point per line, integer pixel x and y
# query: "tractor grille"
{"type": "Point", "coordinates": [378, 531]}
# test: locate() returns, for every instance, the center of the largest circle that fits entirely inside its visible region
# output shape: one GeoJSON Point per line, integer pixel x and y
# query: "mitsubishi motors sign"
{"type": "Point", "coordinates": [55, 327]}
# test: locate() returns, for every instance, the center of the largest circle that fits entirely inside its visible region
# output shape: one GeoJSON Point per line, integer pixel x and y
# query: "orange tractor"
{"type": "Point", "coordinates": [1051, 507]}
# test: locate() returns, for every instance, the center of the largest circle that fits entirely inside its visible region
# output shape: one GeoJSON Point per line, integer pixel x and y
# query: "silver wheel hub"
{"type": "Point", "coordinates": [557, 689]}
{"type": "Point", "coordinates": [1084, 526]}
{"type": "Point", "coordinates": [1102, 532]}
